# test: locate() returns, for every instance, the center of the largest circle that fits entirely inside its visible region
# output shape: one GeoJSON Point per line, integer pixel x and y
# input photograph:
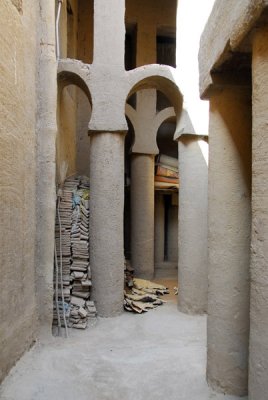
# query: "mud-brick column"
{"type": "Point", "coordinates": [258, 358]}
{"type": "Point", "coordinates": [229, 224]}
{"type": "Point", "coordinates": [142, 215]}
{"type": "Point", "coordinates": [192, 264]}
{"type": "Point", "coordinates": [172, 245]}
{"type": "Point", "coordinates": [106, 221]}
{"type": "Point", "coordinates": [159, 229]}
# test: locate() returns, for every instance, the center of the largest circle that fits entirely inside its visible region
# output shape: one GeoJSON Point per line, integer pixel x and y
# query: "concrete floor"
{"type": "Point", "coordinates": [157, 355]}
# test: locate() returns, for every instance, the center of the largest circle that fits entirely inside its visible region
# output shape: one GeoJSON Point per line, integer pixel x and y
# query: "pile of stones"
{"type": "Point", "coordinates": [144, 296]}
{"type": "Point", "coordinates": [72, 254]}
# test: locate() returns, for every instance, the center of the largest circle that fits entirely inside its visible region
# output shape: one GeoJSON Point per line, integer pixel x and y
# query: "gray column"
{"type": "Point", "coordinates": [173, 234]}
{"type": "Point", "coordinates": [142, 215]}
{"type": "Point", "coordinates": [192, 264]}
{"type": "Point", "coordinates": [109, 32]}
{"type": "Point", "coordinates": [106, 221]}
{"type": "Point", "coordinates": [229, 240]}
{"type": "Point", "coordinates": [258, 350]}
{"type": "Point", "coordinates": [159, 229]}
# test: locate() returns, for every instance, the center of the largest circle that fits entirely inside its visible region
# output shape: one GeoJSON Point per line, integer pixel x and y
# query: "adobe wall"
{"type": "Point", "coordinates": [258, 349]}
{"type": "Point", "coordinates": [17, 182]}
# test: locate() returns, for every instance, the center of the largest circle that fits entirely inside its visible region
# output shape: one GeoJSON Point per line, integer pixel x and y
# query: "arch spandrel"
{"type": "Point", "coordinates": [74, 72]}
{"type": "Point", "coordinates": [165, 115]}
{"type": "Point", "coordinates": [159, 77]}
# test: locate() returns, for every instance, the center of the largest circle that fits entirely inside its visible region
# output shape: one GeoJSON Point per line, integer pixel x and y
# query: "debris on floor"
{"type": "Point", "coordinates": [72, 269]}
{"type": "Point", "coordinates": [150, 287]}
{"type": "Point", "coordinates": [144, 296]}
{"type": "Point", "coordinates": [175, 290]}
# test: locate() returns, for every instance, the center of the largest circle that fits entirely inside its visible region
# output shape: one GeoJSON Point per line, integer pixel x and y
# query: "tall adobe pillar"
{"type": "Point", "coordinates": [229, 217]}
{"type": "Point", "coordinates": [258, 355]}
{"type": "Point", "coordinates": [142, 215]}
{"type": "Point", "coordinates": [107, 130]}
{"type": "Point", "coordinates": [192, 266]}
{"type": "Point", "coordinates": [159, 229]}
{"type": "Point", "coordinates": [106, 221]}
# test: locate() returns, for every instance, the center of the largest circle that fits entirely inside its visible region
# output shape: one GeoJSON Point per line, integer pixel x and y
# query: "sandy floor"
{"type": "Point", "coordinates": [153, 356]}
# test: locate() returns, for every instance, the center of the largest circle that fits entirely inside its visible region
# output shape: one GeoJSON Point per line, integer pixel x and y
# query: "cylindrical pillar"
{"type": "Point", "coordinates": [106, 221]}
{"type": "Point", "coordinates": [172, 245]}
{"type": "Point", "coordinates": [142, 215]}
{"type": "Point", "coordinates": [258, 350]}
{"type": "Point", "coordinates": [192, 264]}
{"type": "Point", "coordinates": [229, 240]}
{"type": "Point", "coordinates": [159, 229]}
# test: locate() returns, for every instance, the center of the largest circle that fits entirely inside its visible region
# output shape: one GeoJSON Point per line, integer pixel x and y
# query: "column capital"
{"type": "Point", "coordinates": [194, 136]}
{"type": "Point", "coordinates": [142, 153]}
{"type": "Point", "coordinates": [92, 132]}
{"type": "Point", "coordinates": [230, 78]}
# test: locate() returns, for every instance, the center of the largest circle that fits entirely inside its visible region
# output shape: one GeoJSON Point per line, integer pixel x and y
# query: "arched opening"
{"type": "Point", "coordinates": [160, 78]}
{"type": "Point", "coordinates": [153, 124]}
{"type": "Point", "coordinates": [72, 142]}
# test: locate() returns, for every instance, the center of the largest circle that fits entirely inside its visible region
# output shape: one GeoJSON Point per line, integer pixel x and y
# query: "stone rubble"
{"type": "Point", "coordinates": [73, 249]}
{"type": "Point", "coordinates": [144, 296]}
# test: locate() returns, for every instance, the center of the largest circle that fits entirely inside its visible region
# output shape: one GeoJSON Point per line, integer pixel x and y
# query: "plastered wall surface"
{"type": "Point", "coordinates": [258, 350]}
{"type": "Point", "coordinates": [17, 180]}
